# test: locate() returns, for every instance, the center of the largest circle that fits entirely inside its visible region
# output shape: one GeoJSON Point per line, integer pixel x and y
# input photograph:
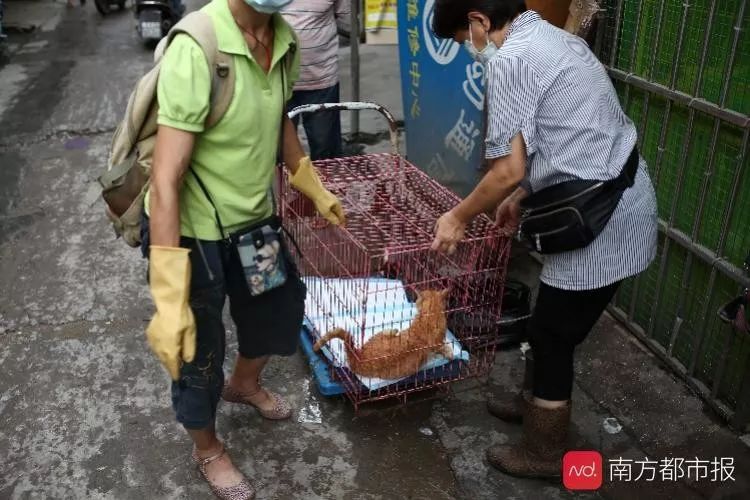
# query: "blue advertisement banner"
{"type": "Point", "coordinates": [443, 94]}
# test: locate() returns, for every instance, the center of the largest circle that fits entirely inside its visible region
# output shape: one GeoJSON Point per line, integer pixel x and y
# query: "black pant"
{"type": "Point", "coordinates": [267, 324]}
{"type": "Point", "coordinates": [561, 320]}
{"type": "Point", "coordinates": [323, 129]}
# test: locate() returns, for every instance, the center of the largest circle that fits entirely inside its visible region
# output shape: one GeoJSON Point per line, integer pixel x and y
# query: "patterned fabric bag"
{"type": "Point", "coordinates": [262, 255]}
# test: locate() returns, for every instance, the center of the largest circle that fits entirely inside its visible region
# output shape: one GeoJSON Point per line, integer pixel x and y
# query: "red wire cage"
{"type": "Point", "coordinates": [365, 277]}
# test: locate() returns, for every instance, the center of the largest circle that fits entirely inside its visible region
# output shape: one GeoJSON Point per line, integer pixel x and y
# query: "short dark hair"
{"type": "Point", "coordinates": [453, 15]}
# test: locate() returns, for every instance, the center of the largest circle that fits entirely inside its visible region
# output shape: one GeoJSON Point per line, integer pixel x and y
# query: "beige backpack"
{"type": "Point", "coordinates": [126, 180]}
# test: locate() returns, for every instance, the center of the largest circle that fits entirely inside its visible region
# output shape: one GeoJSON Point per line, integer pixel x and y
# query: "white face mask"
{"type": "Point", "coordinates": [268, 6]}
{"type": "Point", "coordinates": [483, 56]}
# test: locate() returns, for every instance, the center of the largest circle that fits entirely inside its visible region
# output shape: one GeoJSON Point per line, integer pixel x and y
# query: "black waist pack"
{"type": "Point", "coordinates": [570, 215]}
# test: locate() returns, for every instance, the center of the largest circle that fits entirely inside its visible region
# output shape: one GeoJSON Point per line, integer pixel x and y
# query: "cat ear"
{"type": "Point", "coordinates": [444, 293]}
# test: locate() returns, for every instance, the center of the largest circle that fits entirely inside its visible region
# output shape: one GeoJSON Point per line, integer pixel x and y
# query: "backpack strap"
{"type": "Point", "coordinates": [289, 61]}
{"type": "Point", "coordinates": [200, 27]}
{"type": "Point", "coordinates": [222, 88]}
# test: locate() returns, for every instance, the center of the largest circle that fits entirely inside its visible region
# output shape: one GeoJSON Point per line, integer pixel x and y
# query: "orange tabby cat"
{"type": "Point", "coordinates": [392, 354]}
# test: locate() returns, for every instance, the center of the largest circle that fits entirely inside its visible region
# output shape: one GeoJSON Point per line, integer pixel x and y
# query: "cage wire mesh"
{"type": "Point", "coordinates": [366, 278]}
{"type": "Point", "coordinates": [682, 71]}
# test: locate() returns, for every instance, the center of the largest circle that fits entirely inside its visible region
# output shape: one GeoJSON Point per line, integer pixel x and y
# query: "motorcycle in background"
{"type": "Point", "coordinates": [154, 18]}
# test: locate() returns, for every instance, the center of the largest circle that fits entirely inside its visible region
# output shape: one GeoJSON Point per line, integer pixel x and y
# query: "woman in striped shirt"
{"type": "Point", "coordinates": [552, 116]}
{"type": "Point", "coordinates": [316, 23]}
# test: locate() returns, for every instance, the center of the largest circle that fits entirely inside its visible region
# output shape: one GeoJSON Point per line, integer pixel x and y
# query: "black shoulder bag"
{"type": "Point", "coordinates": [570, 215]}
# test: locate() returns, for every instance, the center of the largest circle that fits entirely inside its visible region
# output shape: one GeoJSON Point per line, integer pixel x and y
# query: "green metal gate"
{"type": "Point", "coordinates": [682, 70]}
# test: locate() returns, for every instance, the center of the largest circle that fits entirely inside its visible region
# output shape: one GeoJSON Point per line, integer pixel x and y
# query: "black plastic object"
{"type": "Point", "coordinates": [737, 311]}
{"type": "Point", "coordinates": [510, 329]}
{"type": "Point", "coordinates": [516, 308]}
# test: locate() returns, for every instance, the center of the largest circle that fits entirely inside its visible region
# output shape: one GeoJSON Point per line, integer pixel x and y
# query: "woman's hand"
{"type": "Point", "coordinates": [508, 216]}
{"type": "Point", "coordinates": [449, 231]}
{"type": "Point", "coordinates": [508, 213]}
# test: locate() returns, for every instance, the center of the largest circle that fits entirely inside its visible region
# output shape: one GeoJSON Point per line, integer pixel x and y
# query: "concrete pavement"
{"type": "Point", "coordinates": [84, 406]}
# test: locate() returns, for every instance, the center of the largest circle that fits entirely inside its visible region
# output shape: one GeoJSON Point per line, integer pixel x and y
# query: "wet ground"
{"type": "Point", "coordinates": [84, 406]}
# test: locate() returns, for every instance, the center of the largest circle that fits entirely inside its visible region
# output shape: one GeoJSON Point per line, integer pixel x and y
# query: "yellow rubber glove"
{"type": "Point", "coordinates": [171, 333]}
{"type": "Point", "coordinates": [307, 182]}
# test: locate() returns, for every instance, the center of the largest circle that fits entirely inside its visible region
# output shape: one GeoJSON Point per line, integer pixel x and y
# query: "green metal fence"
{"type": "Point", "coordinates": [682, 70]}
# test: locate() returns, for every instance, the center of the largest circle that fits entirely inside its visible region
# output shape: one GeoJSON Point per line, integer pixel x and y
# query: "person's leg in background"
{"type": "Point", "coordinates": [323, 129]}
{"type": "Point", "coordinates": [307, 208]}
{"type": "Point", "coordinates": [561, 321]}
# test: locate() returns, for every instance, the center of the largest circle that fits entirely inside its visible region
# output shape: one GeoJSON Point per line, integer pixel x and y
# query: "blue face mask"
{"type": "Point", "coordinates": [481, 56]}
{"type": "Point", "coordinates": [268, 6]}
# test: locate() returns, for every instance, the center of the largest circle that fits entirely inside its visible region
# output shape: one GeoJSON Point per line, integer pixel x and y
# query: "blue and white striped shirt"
{"type": "Point", "coordinates": [546, 84]}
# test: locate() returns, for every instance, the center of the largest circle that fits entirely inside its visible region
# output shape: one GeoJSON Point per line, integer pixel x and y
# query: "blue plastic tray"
{"type": "Point", "coordinates": [321, 368]}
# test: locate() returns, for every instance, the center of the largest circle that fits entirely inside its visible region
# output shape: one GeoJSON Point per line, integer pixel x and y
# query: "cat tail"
{"type": "Point", "coordinates": [338, 333]}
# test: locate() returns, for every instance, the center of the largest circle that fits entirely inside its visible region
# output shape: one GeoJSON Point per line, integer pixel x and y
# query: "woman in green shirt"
{"type": "Point", "coordinates": [207, 184]}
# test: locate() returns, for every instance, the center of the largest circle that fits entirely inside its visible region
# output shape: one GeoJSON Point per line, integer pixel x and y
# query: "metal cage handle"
{"type": "Point", "coordinates": [352, 106]}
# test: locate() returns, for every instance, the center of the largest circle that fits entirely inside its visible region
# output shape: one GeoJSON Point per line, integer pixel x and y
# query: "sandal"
{"type": "Point", "coordinates": [281, 409]}
{"type": "Point", "coordinates": [240, 491]}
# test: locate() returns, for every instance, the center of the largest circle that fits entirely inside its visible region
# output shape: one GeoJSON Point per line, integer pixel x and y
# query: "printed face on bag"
{"type": "Point", "coordinates": [262, 265]}
{"type": "Point", "coordinates": [267, 258]}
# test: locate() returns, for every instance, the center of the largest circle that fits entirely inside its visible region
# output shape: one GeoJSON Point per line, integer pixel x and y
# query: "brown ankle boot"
{"type": "Point", "coordinates": [509, 408]}
{"type": "Point", "coordinates": [542, 445]}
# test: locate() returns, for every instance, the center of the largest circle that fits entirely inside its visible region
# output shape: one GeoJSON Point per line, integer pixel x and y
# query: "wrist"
{"type": "Point", "coordinates": [461, 214]}
{"type": "Point", "coordinates": [518, 195]}
{"type": "Point", "coordinates": [294, 167]}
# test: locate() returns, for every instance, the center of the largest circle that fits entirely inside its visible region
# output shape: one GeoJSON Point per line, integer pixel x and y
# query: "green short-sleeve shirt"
{"type": "Point", "coordinates": [235, 159]}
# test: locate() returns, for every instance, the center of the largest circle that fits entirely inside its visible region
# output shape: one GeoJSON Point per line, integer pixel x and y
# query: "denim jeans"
{"type": "Point", "coordinates": [267, 324]}
{"type": "Point", "coordinates": [323, 129]}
